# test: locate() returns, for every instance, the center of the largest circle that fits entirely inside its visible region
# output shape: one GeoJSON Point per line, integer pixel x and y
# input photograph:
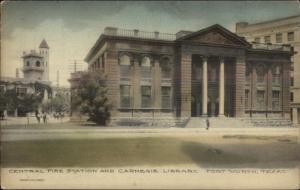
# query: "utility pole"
{"type": "Point", "coordinates": [76, 65]}
{"type": "Point", "coordinates": [57, 78]}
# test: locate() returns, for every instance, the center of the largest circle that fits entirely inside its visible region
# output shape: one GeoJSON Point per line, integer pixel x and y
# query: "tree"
{"type": "Point", "coordinates": [59, 103]}
{"type": "Point", "coordinates": [91, 97]}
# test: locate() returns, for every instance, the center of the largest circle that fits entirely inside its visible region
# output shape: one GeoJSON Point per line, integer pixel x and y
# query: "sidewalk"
{"type": "Point", "coordinates": [30, 120]}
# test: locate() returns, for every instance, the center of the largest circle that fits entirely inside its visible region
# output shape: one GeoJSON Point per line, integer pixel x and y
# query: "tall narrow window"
{"type": "Point", "coordinates": [146, 96]}
{"type": "Point", "coordinates": [290, 36]}
{"type": "Point", "coordinates": [124, 67]}
{"type": "Point", "coordinates": [279, 38]}
{"type": "Point", "coordinates": [260, 73]}
{"type": "Point", "coordinates": [27, 63]}
{"type": "Point", "coordinates": [146, 67]}
{"type": "Point", "coordinates": [166, 69]}
{"type": "Point", "coordinates": [165, 97]}
{"type": "Point", "coordinates": [275, 100]}
{"type": "Point", "coordinates": [276, 75]}
{"type": "Point", "coordinates": [260, 100]}
{"type": "Point", "coordinates": [125, 96]}
{"type": "Point", "coordinates": [267, 39]}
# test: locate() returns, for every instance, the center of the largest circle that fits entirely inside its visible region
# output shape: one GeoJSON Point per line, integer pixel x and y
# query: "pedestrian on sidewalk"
{"type": "Point", "coordinates": [207, 124]}
{"type": "Point", "coordinates": [45, 117]}
{"type": "Point", "coordinates": [38, 116]}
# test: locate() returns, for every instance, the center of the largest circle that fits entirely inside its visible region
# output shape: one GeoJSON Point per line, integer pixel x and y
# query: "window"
{"type": "Point", "coordinates": [146, 96]}
{"type": "Point", "coordinates": [292, 96]}
{"type": "Point", "coordinates": [257, 39]}
{"type": "Point", "coordinates": [290, 36]}
{"type": "Point", "coordinates": [275, 100]}
{"type": "Point", "coordinates": [260, 73]}
{"type": "Point", "coordinates": [247, 95]}
{"type": "Point", "coordinates": [21, 91]}
{"type": "Point", "coordinates": [166, 69]}
{"type": "Point", "coordinates": [27, 63]}
{"type": "Point", "coordinates": [165, 97]}
{"type": "Point", "coordinates": [292, 81]}
{"type": "Point", "coordinates": [260, 100]}
{"type": "Point", "coordinates": [267, 39]}
{"type": "Point", "coordinates": [279, 38]}
{"type": "Point", "coordinates": [276, 75]}
{"type": "Point", "coordinates": [125, 67]}
{"type": "Point", "coordinates": [125, 96]}
{"type": "Point", "coordinates": [146, 67]}
{"type": "Point", "coordinates": [38, 63]}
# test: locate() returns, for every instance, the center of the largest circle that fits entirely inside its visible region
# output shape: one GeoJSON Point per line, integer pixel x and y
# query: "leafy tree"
{"type": "Point", "coordinates": [91, 97]}
{"type": "Point", "coordinates": [59, 103]}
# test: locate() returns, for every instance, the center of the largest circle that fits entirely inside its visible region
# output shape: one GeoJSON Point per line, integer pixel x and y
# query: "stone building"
{"type": "Point", "coordinates": [278, 32]}
{"type": "Point", "coordinates": [35, 73]}
{"type": "Point", "coordinates": [211, 72]}
{"type": "Point", "coordinates": [36, 64]}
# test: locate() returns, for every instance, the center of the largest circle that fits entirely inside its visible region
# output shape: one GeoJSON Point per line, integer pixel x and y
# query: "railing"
{"type": "Point", "coordinates": [271, 46]}
{"type": "Point", "coordinates": [266, 113]}
{"type": "Point", "coordinates": [110, 31]}
{"type": "Point", "coordinates": [151, 110]}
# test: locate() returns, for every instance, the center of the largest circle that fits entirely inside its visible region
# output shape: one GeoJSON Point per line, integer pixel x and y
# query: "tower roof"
{"type": "Point", "coordinates": [44, 44]}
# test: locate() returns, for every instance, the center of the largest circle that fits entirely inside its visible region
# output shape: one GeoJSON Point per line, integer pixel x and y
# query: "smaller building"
{"type": "Point", "coordinates": [283, 31]}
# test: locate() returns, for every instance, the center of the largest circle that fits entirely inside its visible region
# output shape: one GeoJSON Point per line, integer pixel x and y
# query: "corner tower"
{"type": "Point", "coordinates": [44, 52]}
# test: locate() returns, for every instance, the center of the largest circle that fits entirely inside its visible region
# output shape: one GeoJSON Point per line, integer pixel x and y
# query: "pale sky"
{"type": "Point", "coordinates": [72, 28]}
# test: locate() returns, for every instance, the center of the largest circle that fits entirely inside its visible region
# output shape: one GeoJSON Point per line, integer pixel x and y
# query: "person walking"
{"type": "Point", "coordinates": [37, 115]}
{"type": "Point", "coordinates": [45, 117]}
{"type": "Point", "coordinates": [207, 124]}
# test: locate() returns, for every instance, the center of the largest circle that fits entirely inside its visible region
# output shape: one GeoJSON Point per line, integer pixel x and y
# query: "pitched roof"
{"type": "Point", "coordinates": [215, 27]}
{"type": "Point", "coordinates": [44, 44]}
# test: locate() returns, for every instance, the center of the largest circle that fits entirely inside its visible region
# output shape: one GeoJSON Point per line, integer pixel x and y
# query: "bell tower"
{"type": "Point", "coordinates": [44, 52]}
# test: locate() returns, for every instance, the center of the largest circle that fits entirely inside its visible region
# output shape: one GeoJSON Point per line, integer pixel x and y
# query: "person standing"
{"type": "Point", "coordinates": [45, 117]}
{"type": "Point", "coordinates": [207, 124]}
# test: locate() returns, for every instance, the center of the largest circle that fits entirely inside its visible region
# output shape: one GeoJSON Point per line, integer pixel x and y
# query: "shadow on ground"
{"type": "Point", "coordinates": [151, 151]}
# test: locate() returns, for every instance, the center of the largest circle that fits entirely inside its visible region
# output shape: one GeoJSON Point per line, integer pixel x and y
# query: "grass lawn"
{"type": "Point", "coordinates": [152, 151]}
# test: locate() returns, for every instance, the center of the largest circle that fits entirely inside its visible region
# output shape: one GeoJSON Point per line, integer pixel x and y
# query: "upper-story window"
{"type": "Point", "coordinates": [276, 75]}
{"type": "Point", "coordinates": [166, 68]}
{"type": "Point", "coordinates": [279, 38]}
{"type": "Point", "coordinates": [146, 67]}
{"type": "Point", "coordinates": [260, 73]}
{"type": "Point", "coordinates": [21, 91]}
{"type": "Point", "coordinates": [257, 39]}
{"type": "Point", "coordinates": [125, 66]}
{"type": "Point", "coordinates": [290, 36]}
{"type": "Point", "coordinates": [27, 63]}
{"type": "Point", "coordinates": [38, 63]}
{"type": "Point", "coordinates": [267, 39]}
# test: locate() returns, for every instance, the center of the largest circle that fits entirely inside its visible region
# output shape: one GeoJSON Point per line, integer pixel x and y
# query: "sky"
{"type": "Point", "coordinates": [72, 28]}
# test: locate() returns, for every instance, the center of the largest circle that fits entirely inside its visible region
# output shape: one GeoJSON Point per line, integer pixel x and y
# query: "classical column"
{"type": "Point", "coordinates": [221, 88]}
{"type": "Point", "coordinates": [204, 87]}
